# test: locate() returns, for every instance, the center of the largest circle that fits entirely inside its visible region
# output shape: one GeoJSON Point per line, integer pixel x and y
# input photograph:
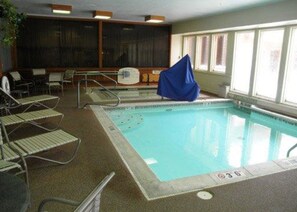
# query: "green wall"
{"type": "Point", "coordinates": [276, 12]}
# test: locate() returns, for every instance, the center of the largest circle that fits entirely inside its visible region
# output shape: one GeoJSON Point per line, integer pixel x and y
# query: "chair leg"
{"type": "Point", "coordinates": [56, 161]}
{"type": "Point", "coordinates": [28, 90]}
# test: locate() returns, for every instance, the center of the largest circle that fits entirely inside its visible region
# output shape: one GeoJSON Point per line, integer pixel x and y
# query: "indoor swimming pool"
{"type": "Point", "coordinates": [176, 148]}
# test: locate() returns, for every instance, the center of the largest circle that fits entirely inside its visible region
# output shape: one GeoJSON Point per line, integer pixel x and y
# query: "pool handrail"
{"type": "Point", "coordinates": [104, 74]}
{"type": "Point", "coordinates": [97, 73]}
{"type": "Point", "coordinates": [94, 103]}
{"type": "Point", "coordinates": [290, 150]}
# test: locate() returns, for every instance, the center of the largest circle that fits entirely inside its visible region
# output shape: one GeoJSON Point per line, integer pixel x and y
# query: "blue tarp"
{"type": "Point", "coordinates": [178, 82]}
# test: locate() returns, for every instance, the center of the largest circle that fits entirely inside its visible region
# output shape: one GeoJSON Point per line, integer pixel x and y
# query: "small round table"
{"type": "Point", "coordinates": [14, 193]}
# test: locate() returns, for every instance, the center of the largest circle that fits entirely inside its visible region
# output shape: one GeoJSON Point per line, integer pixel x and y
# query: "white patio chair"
{"type": "Point", "coordinates": [40, 78]}
{"type": "Point", "coordinates": [55, 80]}
{"type": "Point", "coordinates": [69, 77]}
{"type": "Point", "coordinates": [90, 204]}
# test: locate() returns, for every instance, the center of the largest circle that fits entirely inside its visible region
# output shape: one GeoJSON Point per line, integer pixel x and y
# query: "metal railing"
{"type": "Point", "coordinates": [291, 149]}
{"type": "Point", "coordinates": [95, 103]}
{"type": "Point", "coordinates": [109, 73]}
{"type": "Point", "coordinates": [96, 73]}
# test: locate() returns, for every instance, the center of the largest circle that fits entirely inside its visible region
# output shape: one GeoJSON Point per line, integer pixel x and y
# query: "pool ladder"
{"type": "Point", "coordinates": [95, 103]}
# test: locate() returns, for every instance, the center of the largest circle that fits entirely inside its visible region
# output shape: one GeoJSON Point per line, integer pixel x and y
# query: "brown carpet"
{"type": "Point", "coordinates": [97, 157]}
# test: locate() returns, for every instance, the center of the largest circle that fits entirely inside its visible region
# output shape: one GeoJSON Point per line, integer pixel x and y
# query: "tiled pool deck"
{"type": "Point", "coordinates": [153, 188]}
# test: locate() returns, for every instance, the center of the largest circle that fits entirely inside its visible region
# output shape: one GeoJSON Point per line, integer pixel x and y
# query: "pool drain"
{"type": "Point", "coordinates": [205, 195]}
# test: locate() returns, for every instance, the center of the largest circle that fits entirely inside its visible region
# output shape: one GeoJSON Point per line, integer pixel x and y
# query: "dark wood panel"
{"type": "Point", "coordinates": [71, 43]}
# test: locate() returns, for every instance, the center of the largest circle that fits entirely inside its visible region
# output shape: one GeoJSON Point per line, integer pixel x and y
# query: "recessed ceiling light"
{"type": "Point", "coordinates": [102, 14]}
{"type": "Point", "coordinates": [154, 18]}
{"type": "Point", "coordinates": [61, 9]}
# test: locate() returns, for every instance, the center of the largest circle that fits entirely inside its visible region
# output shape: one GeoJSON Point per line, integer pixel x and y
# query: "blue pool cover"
{"type": "Point", "coordinates": [178, 82]}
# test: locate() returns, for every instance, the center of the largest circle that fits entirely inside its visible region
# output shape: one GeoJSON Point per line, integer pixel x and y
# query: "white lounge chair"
{"type": "Point", "coordinates": [28, 102]}
{"type": "Point", "coordinates": [32, 117]}
{"type": "Point", "coordinates": [90, 204]}
{"type": "Point", "coordinates": [28, 147]}
{"type": "Point", "coordinates": [7, 165]}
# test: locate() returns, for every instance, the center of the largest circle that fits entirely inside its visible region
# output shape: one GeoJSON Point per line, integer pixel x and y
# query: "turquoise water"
{"type": "Point", "coordinates": [184, 141]}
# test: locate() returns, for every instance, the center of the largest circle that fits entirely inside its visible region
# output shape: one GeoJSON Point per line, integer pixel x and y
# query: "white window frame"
{"type": "Point", "coordinates": [233, 61]}
{"type": "Point", "coordinates": [192, 57]}
{"type": "Point", "coordinates": [288, 61]}
{"type": "Point", "coordinates": [198, 54]}
{"type": "Point", "coordinates": [214, 67]}
{"type": "Point", "coordinates": [258, 56]}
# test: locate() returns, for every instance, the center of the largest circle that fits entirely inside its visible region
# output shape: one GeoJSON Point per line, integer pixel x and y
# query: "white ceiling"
{"type": "Point", "coordinates": [135, 10]}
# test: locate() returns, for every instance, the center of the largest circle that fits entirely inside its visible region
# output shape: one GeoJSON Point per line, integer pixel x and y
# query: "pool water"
{"type": "Point", "coordinates": [189, 140]}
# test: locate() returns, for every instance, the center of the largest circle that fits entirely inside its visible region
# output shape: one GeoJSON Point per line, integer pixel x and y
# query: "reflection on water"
{"type": "Point", "coordinates": [192, 140]}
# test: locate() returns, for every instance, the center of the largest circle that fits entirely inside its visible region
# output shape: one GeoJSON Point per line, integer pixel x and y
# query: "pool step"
{"type": "Point", "coordinates": [128, 121]}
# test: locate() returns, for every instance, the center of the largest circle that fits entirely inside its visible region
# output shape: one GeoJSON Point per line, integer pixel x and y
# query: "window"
{"type": "Point", "coordinates": [268, 61]}
{"type": "Point", "coordinates": [242, 61]}
{"type": "Point", "coordinates": [189, 47]}
{"type": "Point", "coordinates": [202, 52]}
{"type": "Point", "coordinates": [198, 48]}
{"type": "Point", "coordinates": [290, 94]}
{"type": "Point", "coordinates": [219, 52]}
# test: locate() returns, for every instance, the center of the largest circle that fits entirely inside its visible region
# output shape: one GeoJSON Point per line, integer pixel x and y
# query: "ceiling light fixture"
{"type": "Point", "coordinates": [154, 18]}
{"type": "Point", "coordinates": [61, 9]}
{"type": "Point", "coordinates": [102, 14]}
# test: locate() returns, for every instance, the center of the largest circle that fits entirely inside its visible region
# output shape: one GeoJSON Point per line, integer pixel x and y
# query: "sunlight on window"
{"type": "Point", "coordinates": [291, 85]}
{"type": "Point", "coordinates": [220, 52]}
{"type": "Point", "coordinates": [189, 47]}
{"type": "Point", "coordinates": [202, 52]}
{"type": "Point", "coordinates": [270, 46]}
{"type": "Point", "coordinates": [242, 62]}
